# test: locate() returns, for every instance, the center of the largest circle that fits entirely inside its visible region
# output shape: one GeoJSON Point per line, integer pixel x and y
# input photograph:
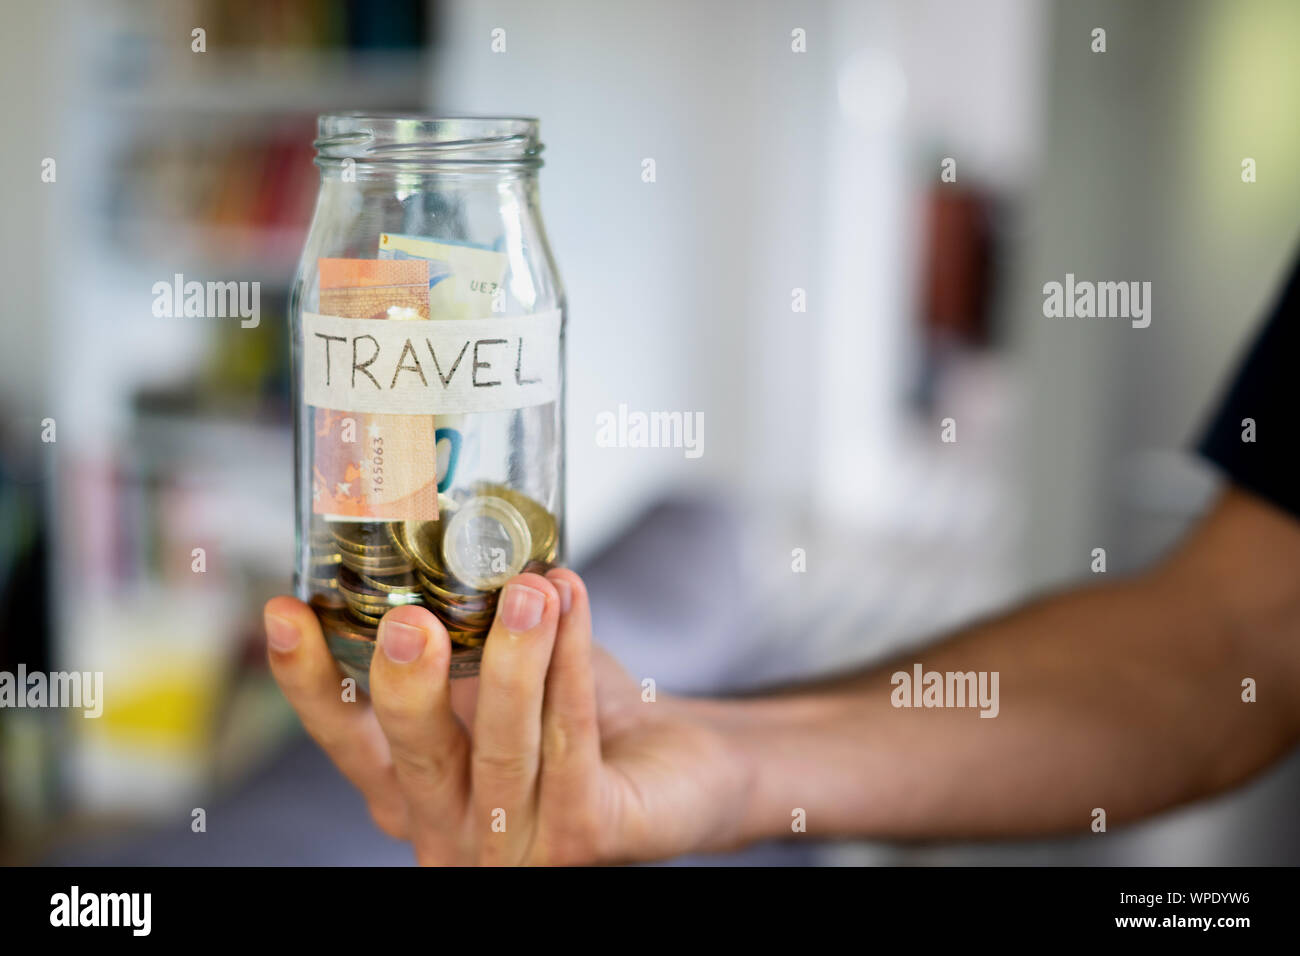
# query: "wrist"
{"type": "Point", "coordinates": [755, 790]}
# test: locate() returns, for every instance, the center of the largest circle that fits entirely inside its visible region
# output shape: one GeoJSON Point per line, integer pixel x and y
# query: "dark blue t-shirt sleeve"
{"type": "Point", "coordinates": [1264, 391]}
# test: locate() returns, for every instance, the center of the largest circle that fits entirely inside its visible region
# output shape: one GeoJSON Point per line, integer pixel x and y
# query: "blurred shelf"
{"type": "Point", "coordinates": [213, 442]}
{"type": "Point", "coordinates": [266, 254]}
{"type": "Point", "coordinates": [276, 81]}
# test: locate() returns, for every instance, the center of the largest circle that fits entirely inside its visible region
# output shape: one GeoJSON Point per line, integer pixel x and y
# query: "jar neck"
{"type": "Point", "coordinates": [373, 146]}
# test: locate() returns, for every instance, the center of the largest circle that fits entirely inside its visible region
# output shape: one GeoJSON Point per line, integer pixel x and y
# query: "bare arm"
{"type": "Point", "coordinates": [1126, 696]}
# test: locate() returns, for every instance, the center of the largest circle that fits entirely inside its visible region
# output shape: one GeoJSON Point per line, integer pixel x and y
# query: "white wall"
{"type": "Point", "coordinates": [769, 178]}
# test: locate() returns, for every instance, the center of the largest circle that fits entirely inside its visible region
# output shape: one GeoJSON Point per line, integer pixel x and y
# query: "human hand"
{"type": "Point", "coordinates": [549, 756]}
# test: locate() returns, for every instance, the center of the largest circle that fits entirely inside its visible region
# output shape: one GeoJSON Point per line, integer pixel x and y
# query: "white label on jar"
{"type": "Point", "coordinates": [431, 367]}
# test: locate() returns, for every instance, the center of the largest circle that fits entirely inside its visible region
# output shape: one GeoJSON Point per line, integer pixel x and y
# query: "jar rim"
{"type": "Point", "coordinates": [409, 139]}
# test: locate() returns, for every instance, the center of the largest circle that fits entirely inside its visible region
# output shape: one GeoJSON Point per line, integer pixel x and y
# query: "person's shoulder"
{"type": "Point", "coordinates": [1248, 437]}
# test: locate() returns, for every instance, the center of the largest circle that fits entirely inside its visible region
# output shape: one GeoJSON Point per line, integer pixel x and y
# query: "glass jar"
{"type": "Point", "coordinates": [427, 330]}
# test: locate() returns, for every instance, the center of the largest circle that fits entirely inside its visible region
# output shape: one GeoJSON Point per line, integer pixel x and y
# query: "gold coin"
{"type": "Point", "coordinates": [406, 583]}
{"type": "Point", "coordinates": [470, 620]}
{"type": "Point", "coordinates": [363, 606]}
{"type": "Point", "coordinates": [377, 604]}
{"type": "Point", "coordinates": [327, 601]}
{"type": "Point", "coordinates": [447, 591]}
{"type": "Point", "coordinates": [381, 566]}
{"type": "Point", "coordinates": [335, 619]}
{"type": "Point", "coordinates": [362, 537]}
{"type": "Point", "coordinates": [487, 542]}
{"type": "Point", "coordinates": [370, 619]}
{"type": "Point", "coordinates": [467, 638]}
{"type": "Point", "coordinates": [419, 541]}
{"type": "Point", "coordinates": [357, 583]}
{"type": "Point", "coordinates": [373, 608]}
{"type": "Point", "coordinates": [374, 556]}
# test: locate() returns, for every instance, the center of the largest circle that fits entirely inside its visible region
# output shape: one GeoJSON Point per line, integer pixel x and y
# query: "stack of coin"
{"type": "Point", "coordinates": [456, 566]}
{"type": "Point", "coordinates": [483, 537]}
{"type": "Point", "coordinates": [364, 546]}
{"type": "Point", "coordinates": [367, 599]}
{"type": "Point", "coordinates": [322, 572]}
{"type": "Point", "coordinates": [372, 575]}
{"type": "Point", "coordinates": [351, 644]}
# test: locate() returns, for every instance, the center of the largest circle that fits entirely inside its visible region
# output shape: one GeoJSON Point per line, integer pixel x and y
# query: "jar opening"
{"type": "Point", "coordinates": [498, 142]}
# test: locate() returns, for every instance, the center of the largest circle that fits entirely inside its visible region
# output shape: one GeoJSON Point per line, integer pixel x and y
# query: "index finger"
{"type": "Point", "coordinates": [346, 730]}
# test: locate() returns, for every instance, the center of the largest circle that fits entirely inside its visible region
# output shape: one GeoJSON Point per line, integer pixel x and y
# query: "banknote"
{"type": "Point", "coordinates": [370, 466]}
{"type": "Point", "coordinates": [367, 465]}
{"type": "Point", "coordinates": [374, 288]}
{"type": "Point", "coordinates": [465, 282]}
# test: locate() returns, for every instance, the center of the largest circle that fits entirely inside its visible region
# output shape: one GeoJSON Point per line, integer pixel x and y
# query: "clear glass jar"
{"type": "Point", "coordinates": [427, 331]}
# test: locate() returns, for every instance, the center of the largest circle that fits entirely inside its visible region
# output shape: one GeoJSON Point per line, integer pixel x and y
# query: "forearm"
{"type": "Point", "coordinates": [1126, 697]}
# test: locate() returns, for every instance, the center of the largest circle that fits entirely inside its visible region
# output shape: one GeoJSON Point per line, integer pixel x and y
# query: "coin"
{"type": "Point", "coordinates": [362, 537]}
{"type": "Point", "coordinates": [377, 606]}
{"type": "Point", "coordinates": [461, 618]}
{"type": "Point", "coordinates": [336, 617]}
{"type": "Point", "coordinates": [371, 619]}
{"type": "Point", "coordinates": [373, 606]}
{"type": "Point", "coordinates": [403, 583]}
{"type": "Point", "coordinates": [382, 565]}
{"type": "Point", "coordinates": [541, 523]}
{"type": "Point", "coordinates": [328, 598]}
{"type": "Point", "coordinates": [455, 566]}
{"type": "Point", "coordinates": [352, 581]}
{"type": "Point", "coordinates": [448, 591]}
{"type": "Point", "coordinates": [487, 542]}
{"type": "Point", "coordinates": [322, 579]}
{"type": "Point", "coordinates": [467, 638]}
{"type": "Point", "coordinates": [351, 644]}
{"type": "Point", "coordinates": [419, 541]}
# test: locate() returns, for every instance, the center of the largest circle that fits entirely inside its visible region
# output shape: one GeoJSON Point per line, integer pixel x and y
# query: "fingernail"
{"type": "Point", "coordinates": [521, 607]}
{"type": "Point", "coordinates": [281, 633]}
{"type": "Point", "coordinates": [402, 643]}
{"type": "Point", "coordinates": [566, 593]}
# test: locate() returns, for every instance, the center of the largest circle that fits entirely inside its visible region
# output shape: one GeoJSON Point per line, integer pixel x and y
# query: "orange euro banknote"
{"type": "Point", "coordinates": [383, 467]}
{"type": "Point", "coordinates": [368, 465]}
{"type": "Point", "coordinates": [374, 288]}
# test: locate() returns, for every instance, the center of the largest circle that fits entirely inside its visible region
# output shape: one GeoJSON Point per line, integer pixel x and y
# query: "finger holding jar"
{"type": "Point", "coordinates": [345, 728]}
{"type": "Point", "coordinates": [411, 694]}
{"type": "Point", "coordinates": [553, 755]}
{"type": "Point", "coordinates": [507, 746]}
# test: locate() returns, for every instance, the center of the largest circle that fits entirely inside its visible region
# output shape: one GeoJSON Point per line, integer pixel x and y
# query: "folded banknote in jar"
{"type": "Point", "coordinates": [368, 466]}
{"type": "Point", "coordinates": [465, 282]}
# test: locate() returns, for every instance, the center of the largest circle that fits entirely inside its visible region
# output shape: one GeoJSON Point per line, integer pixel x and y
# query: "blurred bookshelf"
{"type": "Point", "coordinates": [174, 433]}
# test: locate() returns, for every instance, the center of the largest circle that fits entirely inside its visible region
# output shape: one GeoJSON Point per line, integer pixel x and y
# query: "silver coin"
{"type": "Point", "coordinates": [487, 542]}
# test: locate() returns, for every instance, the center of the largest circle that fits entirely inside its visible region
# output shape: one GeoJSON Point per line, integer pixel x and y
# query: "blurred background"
{"type": "Point", "coordinates": [780, 176]}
